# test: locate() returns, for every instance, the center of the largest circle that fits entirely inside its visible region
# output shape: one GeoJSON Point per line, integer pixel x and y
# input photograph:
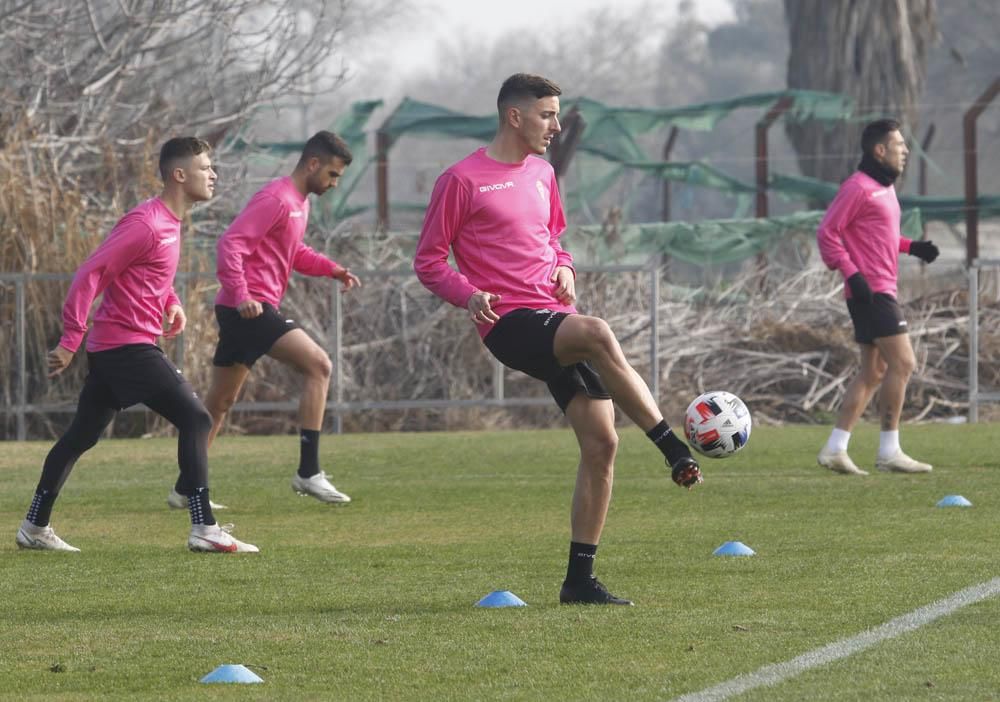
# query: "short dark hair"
{"type": "Point", "coordinates": [325, 145]}
{"type": "Point", "coordinates": [180, 149]}
{"type": "Point", "coordinates": [522, 86]}
{"type": "Point", "coordinates": [876, 133]}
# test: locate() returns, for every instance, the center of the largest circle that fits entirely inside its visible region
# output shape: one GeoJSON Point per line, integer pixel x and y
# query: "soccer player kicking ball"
{"type": "Point", "coordinates": [499, 211]}
{"type": "Point", "coordinates": [256, 257]}
{"type": "Point", "coordinates": [860, 237]}
{"type": "Point", "coordinates": [134, 267]}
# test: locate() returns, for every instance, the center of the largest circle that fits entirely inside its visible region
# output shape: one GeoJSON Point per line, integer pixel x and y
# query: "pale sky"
{"type": "Point", "coordinates": [439, 21]}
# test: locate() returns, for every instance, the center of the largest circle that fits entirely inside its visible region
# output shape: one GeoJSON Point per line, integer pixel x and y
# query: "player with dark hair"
{"type": "Point", "coordinates": [860, 238]}
{"type": "Point", "coordinates": [499, 211]}
{"type": "Point", "coordinates": [256, 257]}
{"type": "Point", "coordinates": [134, 267]}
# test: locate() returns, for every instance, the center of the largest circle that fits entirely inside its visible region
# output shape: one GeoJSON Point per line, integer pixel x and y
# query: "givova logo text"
{"type": "Point", "coordinates": [496, 186]}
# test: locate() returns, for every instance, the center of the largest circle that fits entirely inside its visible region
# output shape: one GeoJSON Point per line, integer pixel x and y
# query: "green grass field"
{"type": "Point", "coordinates": [375, 601]}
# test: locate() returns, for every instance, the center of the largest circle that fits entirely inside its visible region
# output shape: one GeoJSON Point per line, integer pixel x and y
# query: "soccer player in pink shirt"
{"type": "Point", "coordinates": [860, 238]}
{"type": "Point", "coordinates": [499, 212]}
{"type": "Point", "coordinates": [134, 268]}
{"type": "Point", "coordinates": [256, 257]}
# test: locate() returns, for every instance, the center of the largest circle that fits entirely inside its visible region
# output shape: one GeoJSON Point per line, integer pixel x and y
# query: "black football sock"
{"type": "Point", "coordinates": [670, 446]}
{"type": "Point", "coordinates": [309, 453]}
{"type": "Point", "coordinates": [200, 507]}
{"type": "Point", "coordinates": [41, 508]}
{"type": "Point", "coordinates": [581, 562]}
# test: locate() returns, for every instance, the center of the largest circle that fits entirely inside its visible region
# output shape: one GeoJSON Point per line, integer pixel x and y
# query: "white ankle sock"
{"type": "Point", "coordinates": [838, 440]}
{"type": "Point", "coordinates": [888, 444]}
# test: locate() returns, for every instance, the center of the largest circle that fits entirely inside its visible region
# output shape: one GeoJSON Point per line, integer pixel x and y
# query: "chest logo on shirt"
{"type": "Point", "coordinates": [496, 186]}
{"type": "Point", "coordinates": [543, 192]}
{"type": "Point", "coordinates": [295, 213]}
{"type": "Point", "coordinates": [879, 193]}
{"type": "Point", "coordinates": [168, 240]}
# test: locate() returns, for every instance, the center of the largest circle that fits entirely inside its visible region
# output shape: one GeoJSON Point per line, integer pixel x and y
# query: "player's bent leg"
{"type": "Point", "coordinates": [583, 338]}
{"type": "Point", "coordinates": [224, 390]}
{"type": "Point", "coordinates": [298, 350]}
{"type": "Point", "coordinates": [593, 421]}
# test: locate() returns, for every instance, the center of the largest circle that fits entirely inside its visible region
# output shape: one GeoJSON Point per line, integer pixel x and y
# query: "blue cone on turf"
{"type": "Point", "coordinates": [953, 501]}
{"type": "Point", "coordinates": [232, 674]}
{"type": "Point", "coordinates": [501, 598]}
{"type": "Point", "coordinates": [734, 548]}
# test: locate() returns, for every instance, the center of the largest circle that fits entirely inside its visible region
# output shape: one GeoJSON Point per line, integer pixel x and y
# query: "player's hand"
{"type": "Point", "coordinates": [565, 284]}
{"type": "Point", "coordinates": [480, 306]}
{"type": "Point", "coordinates": [249, 309]}
{"type": "Point", "coordinates": [686, 473]}
{"type": "Point", "coordinates": [860, 290]}
{"type": "Point", "coordinates": [175, 320]}
{"type": "Point", "coordinates": [926, 251]}
{"type": "Point", "coordinates": [59, 359]}
{"type": "Point", "coordinates": [348, 280]}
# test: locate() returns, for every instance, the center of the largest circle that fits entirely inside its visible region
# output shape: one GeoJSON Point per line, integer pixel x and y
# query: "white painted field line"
{"type": "Point", "coordinates": [778, 672]}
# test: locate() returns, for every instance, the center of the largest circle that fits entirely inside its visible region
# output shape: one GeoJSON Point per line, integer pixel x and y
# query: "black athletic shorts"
{"type": "Point", "coordinates": [881, 317]}
{"type": "Point", "coordinates": [523, 340]}
{"type": "Point", "coordinates": [131, 374]}
{"type": "Point", "coordinates": [246, 340]}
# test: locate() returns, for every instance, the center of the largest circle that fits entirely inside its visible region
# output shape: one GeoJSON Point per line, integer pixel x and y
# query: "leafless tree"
{"type": "Point", "coordinates": [875, 52]}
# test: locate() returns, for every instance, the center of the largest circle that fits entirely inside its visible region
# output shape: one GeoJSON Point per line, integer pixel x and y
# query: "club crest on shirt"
{"type": "Point", "coordinates": [295, 213]}
{"type": "Point", "coordinates": [168, 240]}
{"type": "Point", "coordinates": [543, 191]}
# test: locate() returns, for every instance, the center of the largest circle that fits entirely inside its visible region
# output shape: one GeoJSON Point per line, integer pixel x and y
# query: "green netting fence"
{"type": "Point", "coordinates": [610, 142]}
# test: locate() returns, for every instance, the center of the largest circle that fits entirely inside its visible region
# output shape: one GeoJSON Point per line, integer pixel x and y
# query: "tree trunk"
{"type": "Point", "coordinates": [875, 52]}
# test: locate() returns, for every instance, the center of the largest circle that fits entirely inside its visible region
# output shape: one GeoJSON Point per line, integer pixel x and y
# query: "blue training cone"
{"type": "Point", "coordinates": [734, 548]}
{"type": "Point", "coordinates": [953, 501]}
{"type": "Point", "coordinates": [501, 598]}
{"type": "Point", "coordinates": [232, 674]}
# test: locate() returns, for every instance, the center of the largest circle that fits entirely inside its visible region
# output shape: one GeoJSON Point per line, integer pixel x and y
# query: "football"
{"type": "Point", "coordinates": [717, 424]}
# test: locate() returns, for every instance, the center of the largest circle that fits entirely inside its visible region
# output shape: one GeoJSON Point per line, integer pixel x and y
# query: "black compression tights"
{"type": "Point", "coordinates": [179, 405]}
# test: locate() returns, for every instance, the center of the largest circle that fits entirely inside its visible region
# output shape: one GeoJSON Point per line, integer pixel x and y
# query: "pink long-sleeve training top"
{"type": "Point", "coordinates": [503, 222]}
{"type": "Point", "coordinates": [860, 232]}
{"type": "Point", "coordinates": [134, 267]}
{"type": "Point", "coordinates": [263, 245]}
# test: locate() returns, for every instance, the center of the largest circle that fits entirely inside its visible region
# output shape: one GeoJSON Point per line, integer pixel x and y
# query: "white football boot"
{"type": "Point", "coordinates": [901, 463]}
{"type": "Point", "coordinates": [179, 501]}
{"type": "Point", "coordinates": [838, 462]}
{"type": "Point", "coordinates": [319, 487]}
{"type": "Point", "coordinates": [215, 538]}
{"type": "Point", "coordinates": [41, 538]}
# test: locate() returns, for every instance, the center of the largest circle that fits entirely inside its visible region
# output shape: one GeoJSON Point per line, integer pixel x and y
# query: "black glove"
{"type": "Point", "coordinates": [860, 290]}
{"type": "Point", "coordinates": [685, 472]}
{"type": "Point", "coordinates": [926, 251]}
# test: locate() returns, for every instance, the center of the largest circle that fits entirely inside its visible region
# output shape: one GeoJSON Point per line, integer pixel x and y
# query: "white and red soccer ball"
{"type": "Point", "coordinates": [717, 424]}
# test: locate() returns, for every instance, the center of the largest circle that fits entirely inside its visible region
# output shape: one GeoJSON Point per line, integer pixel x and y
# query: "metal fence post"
{"type": "Point", "coordinates": [654, 327]}
{"type": "Point", "coordinates": [22, 369]}
{"type": "Point", "coordinates": [179, 347]}
{"type": "Point", "coordinates": [973, 341]}
{"type": "Point", "coordinates": [338, 359]}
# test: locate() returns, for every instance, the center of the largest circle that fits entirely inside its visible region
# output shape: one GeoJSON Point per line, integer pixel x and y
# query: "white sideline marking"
{"type": "Point", "coordinates": [778, 672]}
